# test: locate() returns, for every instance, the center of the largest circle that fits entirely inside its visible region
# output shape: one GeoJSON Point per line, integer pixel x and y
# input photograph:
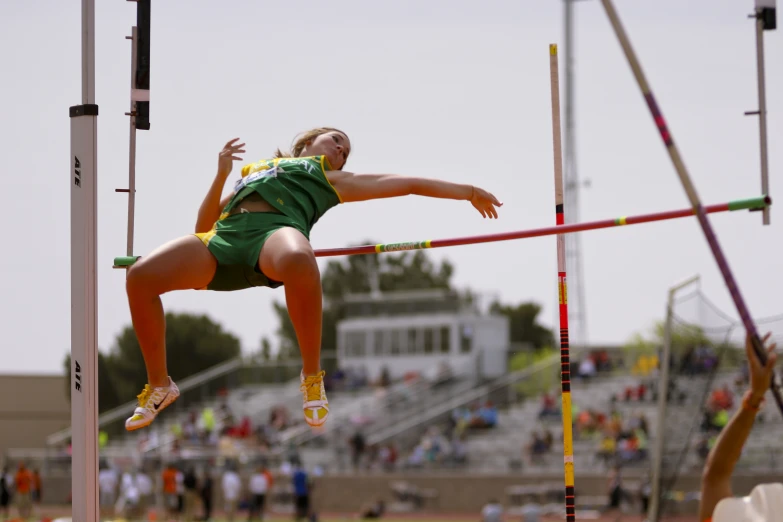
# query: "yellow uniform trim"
{"type": "Point", "coordinates": [325, 162]}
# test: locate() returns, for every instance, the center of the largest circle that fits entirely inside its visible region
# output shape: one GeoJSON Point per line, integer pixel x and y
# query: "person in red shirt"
{"type": "Point", "coordinates": [23, 482]}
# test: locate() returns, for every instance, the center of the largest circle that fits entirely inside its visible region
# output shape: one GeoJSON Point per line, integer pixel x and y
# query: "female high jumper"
{"type": "Point", "coordinates": [258, 235]}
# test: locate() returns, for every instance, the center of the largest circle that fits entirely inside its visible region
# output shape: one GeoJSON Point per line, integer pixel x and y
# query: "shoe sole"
{"type": "Point", "coordinates": [321, 422]}
{"type": "Point", "coordinates": [316, 425]}
{"type": "Point", "coordinates": [149, 421]}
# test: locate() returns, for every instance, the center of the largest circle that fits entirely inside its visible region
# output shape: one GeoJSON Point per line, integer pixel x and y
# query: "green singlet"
{"type": "Point", "coordinates": [296, 187]}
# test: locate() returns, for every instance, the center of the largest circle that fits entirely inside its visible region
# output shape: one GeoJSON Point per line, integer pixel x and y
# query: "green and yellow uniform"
{"type": "Point", "coordinates": [296, 187]}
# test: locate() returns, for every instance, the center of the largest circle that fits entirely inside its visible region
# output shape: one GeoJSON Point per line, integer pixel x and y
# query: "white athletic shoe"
{"type": "Point", "coordinates": [151, 402]}
{"type": "Point", "coordinates": [316, 405]}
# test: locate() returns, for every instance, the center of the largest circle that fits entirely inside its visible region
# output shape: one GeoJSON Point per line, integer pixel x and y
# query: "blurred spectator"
{"type": "Point", "coordinates": [35, 491]}
{"type": "Point", "coordinates": [373, 511]}
{"type": "Point", "coordinates": [260, 484]}
{"type": "Point", "coordinates": [549, 407]}
{"type": "Point", "coordinates": [169, 479]}
{"type": "Point", "coordinates": [537, 448]}
{"type": "Point", "coordinates": [358, 447]}
{"type": "Point", "coordinates": [107, 487]}
{"type": "Point", "coordinates": [190, 484]}
{"type": "Point", "coordinates": [232, 487]}
{"type": "Point", "coordinates": [179, 480]}
{"type": "Point", "coordinates": [129, 502]}
{"type": "Point", "coordinates": [385, 378]}
{"type": "Point", "coordinates": [492, 511]}
{"type": "Point", "coordinates": [5, 492]}
{"type": "Point", "coordinates": [206, 493]}
{"type": "Point", "coordinates": [722, 398]}
{"type": "Point", "coordinates": [146, 490]}
{"type": "Point", "coordinates": [587, 368]}
{"type": "Point", "coordinates": [485, 416]}
{"type": "Point", "coordinates": [23, 484]}
{"type": "Point", "coordinates": [301, 483]}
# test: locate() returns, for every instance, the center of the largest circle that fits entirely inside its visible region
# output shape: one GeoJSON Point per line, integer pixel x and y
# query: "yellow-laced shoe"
{"type": "Point", "coordinates": [151, 402]}
{"type": "Point", "coordinates": [316, 405]}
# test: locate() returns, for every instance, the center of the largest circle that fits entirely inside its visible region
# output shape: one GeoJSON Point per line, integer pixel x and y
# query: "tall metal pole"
{"type": "Point", "coordinates": [762, 114]}
{"type": "Point", "coordinates": [132, 147]}
{"type": "Point", "coordinates": [577, 310]}
{"type": "Point", "coordinates": [663, 393]}
{"type": "Point", "coordinates": [84, 317]}
{"type": "Point", "coordinates": [765, 17]}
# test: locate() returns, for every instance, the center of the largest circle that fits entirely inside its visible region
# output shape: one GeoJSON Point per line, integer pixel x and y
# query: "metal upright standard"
{"type": "Point", "coordinates": [766, 20]}
{"type": "Point", "coordinates": [84, 225]}
{"type": "Point", "coordinates": [84, 347]}
{"type": "Point", "coordinates": [139, 103]}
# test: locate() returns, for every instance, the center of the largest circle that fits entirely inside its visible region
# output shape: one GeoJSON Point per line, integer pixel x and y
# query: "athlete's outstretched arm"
{"type": "Point", "coordinates": [209, 212]}
{"type": "Point", "coordinates": [723, 457]}
{"type": "Point", "coordinates": [363, 187]}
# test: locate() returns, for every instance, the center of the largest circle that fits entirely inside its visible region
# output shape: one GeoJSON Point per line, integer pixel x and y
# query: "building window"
{"type": "Point", "coordinates": [466, 339]}
{"type": "Point", "coordinates": [445, 339]}
{"type": "Point", "coordinates": [395, 342]}
{"type": "Point", "coordinates": [355, 344]}
{"type": "Point", "coordinates": [429, 340]}
{"type": "Point", "coordinates": [378, 342]}
{"type": "Point", "coordinates": [413, 344]}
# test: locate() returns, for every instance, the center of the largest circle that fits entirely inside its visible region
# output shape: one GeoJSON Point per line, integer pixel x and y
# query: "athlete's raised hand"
{"type": "Point", "coordinates": [485, 203]}
{"type": "Point", "coordinates": [228, 155]}
{"type": "Point", "coordinates": [760, 374]}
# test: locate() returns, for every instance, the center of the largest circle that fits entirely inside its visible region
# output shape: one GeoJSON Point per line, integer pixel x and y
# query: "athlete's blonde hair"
{"type": "Point", "coordinates": [301, 141]}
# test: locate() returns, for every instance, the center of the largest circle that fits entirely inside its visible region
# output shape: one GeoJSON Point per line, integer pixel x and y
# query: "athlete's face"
{"type": "Point", "coordinates": [334, 145]}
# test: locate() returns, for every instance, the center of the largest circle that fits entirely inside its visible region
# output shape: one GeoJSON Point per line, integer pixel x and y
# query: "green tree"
{"type": "Point", "coordinates": [524, 325]}
{"type": "Point", "coordinates": [412, 270]}
{"type": "Point", "coordinates": [266, 350]}
{"type": "Point", "coordinates": [684, 336]}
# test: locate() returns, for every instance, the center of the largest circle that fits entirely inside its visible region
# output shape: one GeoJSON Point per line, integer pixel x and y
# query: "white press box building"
{"type": "Point", "coordinates": [418, 331]}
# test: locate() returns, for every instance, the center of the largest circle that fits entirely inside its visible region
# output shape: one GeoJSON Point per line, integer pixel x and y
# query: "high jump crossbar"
{"type": "Point", "coordinates": [752, 204]}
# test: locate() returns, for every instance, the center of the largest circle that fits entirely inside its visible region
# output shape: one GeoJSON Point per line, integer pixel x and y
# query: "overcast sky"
{"type": "Point", "coordinates": [450, 89]}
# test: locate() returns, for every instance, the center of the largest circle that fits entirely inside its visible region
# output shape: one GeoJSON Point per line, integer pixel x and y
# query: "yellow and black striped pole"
{"type": "Point", "coordinates": [562, 291]}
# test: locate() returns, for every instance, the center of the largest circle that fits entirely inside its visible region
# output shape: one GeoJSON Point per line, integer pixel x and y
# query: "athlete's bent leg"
{"type": "Point", "coordinates": [182, 264]}
{"type": "Point", "coordinates": [288, 257]}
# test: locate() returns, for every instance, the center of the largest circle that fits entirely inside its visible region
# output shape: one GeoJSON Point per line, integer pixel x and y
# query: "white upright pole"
{"type": "Point", "coordinates": [663, 394]}
{"type": "Point", "coordinates": [762, 115]}
{"type": "Point", "coordinates": [132, 148]}
{"type": "Point", "coordinates": [766, 19]}
{"type": "Point", "coordinates": [84, 348]}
